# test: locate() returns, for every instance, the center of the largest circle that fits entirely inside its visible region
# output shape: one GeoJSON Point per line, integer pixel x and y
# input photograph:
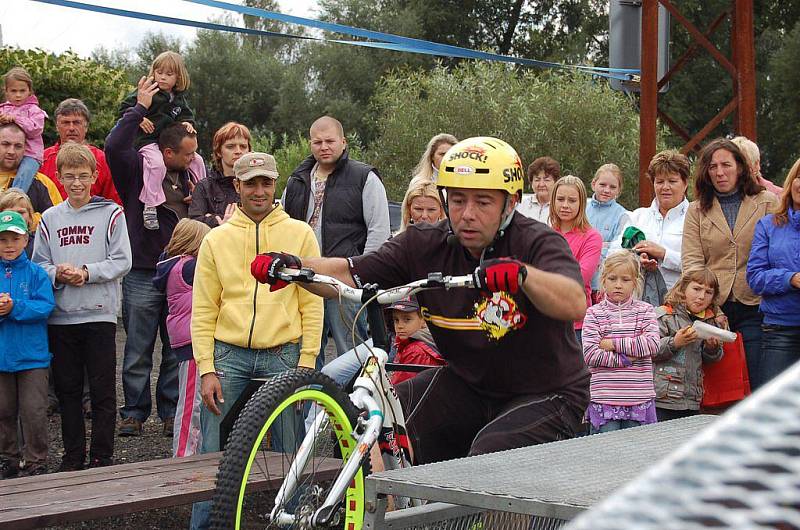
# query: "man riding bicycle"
{"type": "Point", "coordinates": [515, 375]}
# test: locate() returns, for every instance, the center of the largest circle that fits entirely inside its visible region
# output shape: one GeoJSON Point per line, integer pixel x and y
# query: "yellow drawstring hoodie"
{"type": "Point", "coordinates": [229, 305]}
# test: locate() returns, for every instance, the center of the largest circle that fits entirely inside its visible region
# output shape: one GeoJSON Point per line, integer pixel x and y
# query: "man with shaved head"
{"type": "Point", "coordinates": [345, 203]}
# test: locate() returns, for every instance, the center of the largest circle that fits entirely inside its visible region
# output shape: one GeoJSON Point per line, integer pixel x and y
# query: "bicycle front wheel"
{"type": "Point", "coordinates": [264, 453]}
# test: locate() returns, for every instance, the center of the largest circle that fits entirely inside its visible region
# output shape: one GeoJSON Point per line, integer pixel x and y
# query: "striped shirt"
{"type": "Point", "coordinates": [623, 376]}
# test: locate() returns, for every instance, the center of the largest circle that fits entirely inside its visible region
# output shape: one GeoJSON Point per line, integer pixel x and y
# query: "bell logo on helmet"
{"type": "Point", "coordinates": [464, 170]}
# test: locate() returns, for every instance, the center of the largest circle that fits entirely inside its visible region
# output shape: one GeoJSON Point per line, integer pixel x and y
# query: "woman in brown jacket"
{"type": "Point", "coordinates": [718, 232]}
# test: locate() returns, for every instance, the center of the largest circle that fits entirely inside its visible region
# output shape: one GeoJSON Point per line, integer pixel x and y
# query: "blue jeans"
{"type": "Point", "coordinates": [235, 367]}
{"type": "Point", "coordinates": [26, 172]}
{"type": "Point", "coordinates": [339, 330]}
{"type": "Point", "coordinates": [746, 319]}
{"type": "Point", "coordinates": [614, 425]}
{"type": "Point", "coordinates": [780, 348]}
{"type": "Point", "coordinates": [144, 313]}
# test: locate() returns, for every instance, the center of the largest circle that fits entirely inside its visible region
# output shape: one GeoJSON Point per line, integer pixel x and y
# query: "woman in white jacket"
{"type": "Point", "coordinates": [662, 221]}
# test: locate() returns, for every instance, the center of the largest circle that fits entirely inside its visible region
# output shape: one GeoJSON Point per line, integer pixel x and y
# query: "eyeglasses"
{"type": "Point", "coordinates": [543, 179]}
{"type": "Point", "coordinates": [69, 179]}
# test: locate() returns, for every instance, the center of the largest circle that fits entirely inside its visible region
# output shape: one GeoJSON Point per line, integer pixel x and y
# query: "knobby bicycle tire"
{"type": "Point", "coordinates": [281, 394]}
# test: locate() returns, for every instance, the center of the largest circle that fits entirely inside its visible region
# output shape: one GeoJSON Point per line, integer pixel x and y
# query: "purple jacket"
{"type": "Point", "coordinates": [30, 118]}
{"type": "Point", "coordinates": [176, 276]}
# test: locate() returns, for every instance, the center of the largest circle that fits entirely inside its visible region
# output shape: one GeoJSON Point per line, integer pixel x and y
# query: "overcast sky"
{"type": "Point", "coordinates": [29, 24]}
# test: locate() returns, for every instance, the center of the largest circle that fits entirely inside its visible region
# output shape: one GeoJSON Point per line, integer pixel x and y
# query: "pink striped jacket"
{"type": "Point", "coordinates": [623, 376]}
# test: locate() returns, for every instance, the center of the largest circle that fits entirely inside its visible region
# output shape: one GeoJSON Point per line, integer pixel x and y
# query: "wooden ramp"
{"type": "Point", "coordinates": [57, 498]}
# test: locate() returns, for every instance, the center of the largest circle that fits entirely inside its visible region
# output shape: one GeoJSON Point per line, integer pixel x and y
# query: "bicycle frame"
{"type": "Point", "coordinates": [372, 393]}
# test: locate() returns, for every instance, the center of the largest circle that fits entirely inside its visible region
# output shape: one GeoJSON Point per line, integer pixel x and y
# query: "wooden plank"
{"type": "Point", "coordinates": [87, 476]}
{"type": "Point", "coordinates": [108, 493]}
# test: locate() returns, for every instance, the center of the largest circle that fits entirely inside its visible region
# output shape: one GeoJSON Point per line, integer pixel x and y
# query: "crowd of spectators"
{"type": "Point", "coordinates": [143, 226]}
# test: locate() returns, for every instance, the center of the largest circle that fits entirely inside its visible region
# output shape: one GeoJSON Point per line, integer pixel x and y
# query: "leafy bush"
{"type": "Point", "coordinates": [290, 151]}
{"type": "Point", "coordinates": [58, 77]}
{"type": "Point", "coordinates": [578, 121]}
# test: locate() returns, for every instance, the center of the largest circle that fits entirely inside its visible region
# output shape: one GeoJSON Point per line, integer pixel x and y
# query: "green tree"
{"type": "Point", "coordinates": [58, 77]}
{"type": "Point", "coordinates": [342, 79]}
{"type": "Point", "coordinates": [232, 80]}
{"type": "Point", "coordinates": [779, 128]}
{"type": "Point", "coordinates": [703, 87]}
{"type": "Point", "coordinates": [136, 61]}
{"type": "Point", "coordinates": [290, 151]}
{"type": "Point", "coordinates": [538, 114]}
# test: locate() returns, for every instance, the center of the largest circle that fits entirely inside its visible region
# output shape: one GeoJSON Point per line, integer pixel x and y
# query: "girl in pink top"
{"type": "Point", "coordinates": [175, 276]}
{"type": "Point", "coordinates": [620, 336]}
{"type": "Point", "coordinates": [568, 218]}
{"type": "Point", "coordinates": [22, 107]}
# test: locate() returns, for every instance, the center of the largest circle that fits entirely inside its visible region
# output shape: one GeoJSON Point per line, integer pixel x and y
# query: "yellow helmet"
{"type": "Point", "coordinates": [482, 163]}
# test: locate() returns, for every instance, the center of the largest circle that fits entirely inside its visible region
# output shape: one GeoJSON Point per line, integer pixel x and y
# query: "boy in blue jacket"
{"type": "Point", "coordinates": [26, 300]}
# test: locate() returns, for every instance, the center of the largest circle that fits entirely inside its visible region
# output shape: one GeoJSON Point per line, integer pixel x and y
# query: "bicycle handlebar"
{"type": "Point", "coordinates": [435, 280]}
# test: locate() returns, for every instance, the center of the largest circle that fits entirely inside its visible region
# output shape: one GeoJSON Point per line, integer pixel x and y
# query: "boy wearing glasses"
{"type": "Point", "coordinates": [83, 245]}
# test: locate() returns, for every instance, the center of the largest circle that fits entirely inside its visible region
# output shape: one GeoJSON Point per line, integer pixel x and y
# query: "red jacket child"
{"type": "Point", "coordinates": [412, 339]}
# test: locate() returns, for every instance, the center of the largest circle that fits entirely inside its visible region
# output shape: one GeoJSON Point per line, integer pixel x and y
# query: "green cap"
{"type": "Point", "coordinates": [631, 236]}
{"type": "Point", "coordinates": [12, 222]}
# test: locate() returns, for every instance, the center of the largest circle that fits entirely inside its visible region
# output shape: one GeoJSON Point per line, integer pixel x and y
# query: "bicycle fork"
{"type": "Point", "coordinates": [363, 400]}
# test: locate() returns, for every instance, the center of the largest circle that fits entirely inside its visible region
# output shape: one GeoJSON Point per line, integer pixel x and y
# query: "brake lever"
{"type": "Point", "coordinates": [297, 275]}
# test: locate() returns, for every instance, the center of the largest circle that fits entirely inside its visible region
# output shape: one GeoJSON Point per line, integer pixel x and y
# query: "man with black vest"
{"type": "Point", "coordinates": [345, 203]}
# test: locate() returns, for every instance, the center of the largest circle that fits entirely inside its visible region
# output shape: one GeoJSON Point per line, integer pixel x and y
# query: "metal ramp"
{"type": "Point", "coordinates": [537, 488]}
{"type": "Point", "coordinates": [743, 472]}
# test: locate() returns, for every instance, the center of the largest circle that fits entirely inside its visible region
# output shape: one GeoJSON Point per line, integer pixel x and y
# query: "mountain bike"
{"type": "Point", "coordinates": [304, 435]}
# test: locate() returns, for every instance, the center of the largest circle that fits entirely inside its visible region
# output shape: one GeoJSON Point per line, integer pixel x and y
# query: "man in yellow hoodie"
{"type": "Point", "coordinates": [242, 329]}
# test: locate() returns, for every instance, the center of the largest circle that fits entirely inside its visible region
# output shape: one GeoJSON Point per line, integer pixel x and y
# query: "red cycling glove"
{"type": "Point", "coordinates": [265, 267]}
{"type": "Point", "coordinates": [501, 274]}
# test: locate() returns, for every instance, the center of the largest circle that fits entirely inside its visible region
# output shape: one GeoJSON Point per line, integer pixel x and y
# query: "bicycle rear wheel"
{"type": "Point", "coordinates": [264, 443]}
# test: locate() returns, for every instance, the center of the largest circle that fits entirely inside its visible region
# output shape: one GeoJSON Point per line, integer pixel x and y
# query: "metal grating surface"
{"type": "Point", "coordinates": [743, 472]}
{"type": "Point", "coordinates": [556, 480]}
{"type": "Point", "coordinates": [486, 521]}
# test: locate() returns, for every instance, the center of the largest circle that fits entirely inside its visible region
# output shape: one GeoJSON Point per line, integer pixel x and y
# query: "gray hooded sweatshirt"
{"type": "Point", "coordinates": [94, 236]}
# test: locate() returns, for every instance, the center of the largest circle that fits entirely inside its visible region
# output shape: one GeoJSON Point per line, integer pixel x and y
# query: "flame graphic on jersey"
{"type": "Point", "coordinates": [498, 315]}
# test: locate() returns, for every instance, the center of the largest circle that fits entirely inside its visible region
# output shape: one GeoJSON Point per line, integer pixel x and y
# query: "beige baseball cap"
{"type": "Point", "coordinates": [255, 165]}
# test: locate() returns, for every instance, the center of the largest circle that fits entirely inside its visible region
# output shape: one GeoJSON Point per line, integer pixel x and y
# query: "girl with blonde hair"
{"type": "Point", "coordinates": [428, 166]}
{"type": "Point", "coordinates": [772, 273]}
{"type": "Point", "coordinates": [168, 74]}
{"type": "Point", "coordinates": [21, 107]}
{"type": "Point", "coordinates": [606, 215]}
{"type": "Point", "coordinates": [620, 336]}
{"type": "Point", "coordinates": [16, 200]}
{"type": "Point", "coordinates": [175, 276]}
{"type": "Point", "coordinates": [421, 203]}
{"type": "Point", "coordinates": [568, 218]}
{"type": "Point", "coordinates": [681, 353]}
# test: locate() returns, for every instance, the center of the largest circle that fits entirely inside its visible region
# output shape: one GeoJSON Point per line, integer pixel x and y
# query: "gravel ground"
{"type": "Point", "coordinates": [152, 445]}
